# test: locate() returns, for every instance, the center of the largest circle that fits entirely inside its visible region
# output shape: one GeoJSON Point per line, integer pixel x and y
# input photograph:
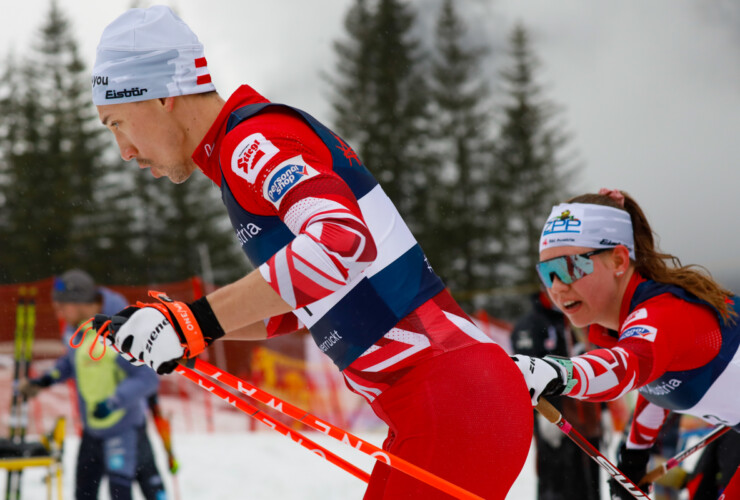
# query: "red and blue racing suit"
{"type": "Point", "coordinates": [324, 235]}
{"type": "Point", "coordinates": [675, 350]}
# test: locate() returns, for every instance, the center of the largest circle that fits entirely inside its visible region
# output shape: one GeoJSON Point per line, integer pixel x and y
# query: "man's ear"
{"type": "Point", "coordinates": [167, 103]}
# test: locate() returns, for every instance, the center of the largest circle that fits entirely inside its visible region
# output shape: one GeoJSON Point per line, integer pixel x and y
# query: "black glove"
{"type": "Point", "coordinates": [633, 464]}
{"type": "Point", "coordinates": [43, 381]}
{"type": "Point", "coordinates": [105, 408]}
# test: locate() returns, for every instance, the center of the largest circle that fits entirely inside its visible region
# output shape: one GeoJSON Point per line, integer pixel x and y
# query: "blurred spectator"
{"type": "Point", "coordinates": [717, 464]}
{"type": "Point", "coordinates": [112, 395]}
{"type": "Point", "coordinates": [564, 471]}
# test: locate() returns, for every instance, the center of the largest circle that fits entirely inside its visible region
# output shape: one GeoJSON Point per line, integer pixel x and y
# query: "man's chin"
{"type": "Point", "coordinates": [179, 177]}
{"type": "Point", "coordinates": [175, 175]}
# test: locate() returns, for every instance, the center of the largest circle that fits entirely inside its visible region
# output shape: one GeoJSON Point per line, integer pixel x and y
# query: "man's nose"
{"type": "Point", "coordinates": [128, 153]}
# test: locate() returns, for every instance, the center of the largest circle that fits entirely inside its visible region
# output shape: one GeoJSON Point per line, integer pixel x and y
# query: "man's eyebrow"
{"type": "Point", "coordinates": [104, 121]}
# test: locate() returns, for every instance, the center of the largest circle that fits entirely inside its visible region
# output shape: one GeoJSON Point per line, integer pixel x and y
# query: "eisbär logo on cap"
{"type": "Point", "coordinates": [122, 94]}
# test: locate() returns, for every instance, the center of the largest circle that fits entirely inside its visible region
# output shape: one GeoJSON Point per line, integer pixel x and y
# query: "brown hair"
{"type": "Point", "coordinates": [663, 267]}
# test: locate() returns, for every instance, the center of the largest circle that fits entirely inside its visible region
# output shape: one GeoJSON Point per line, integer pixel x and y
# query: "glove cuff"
{"type": "Point", "coordinates": [183, 321]}
{"type": "Point", "coordinates": [564, 367]}
{"type": "Point", "coordinates": [207, 320]}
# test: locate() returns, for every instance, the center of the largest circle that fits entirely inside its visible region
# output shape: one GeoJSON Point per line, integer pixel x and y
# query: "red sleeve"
{"type": "Point", "coordinates": [647, 419]}
{"type": "Point", "coordinates": [664, 334]}
{"type": "Point", "coordinates": [275, 164]}
{"type": "Point", "coordinates": [283, 324]}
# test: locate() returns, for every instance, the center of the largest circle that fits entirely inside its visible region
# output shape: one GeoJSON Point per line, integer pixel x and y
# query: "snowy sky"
{"type": "Point", "coordinates": [649, 88]}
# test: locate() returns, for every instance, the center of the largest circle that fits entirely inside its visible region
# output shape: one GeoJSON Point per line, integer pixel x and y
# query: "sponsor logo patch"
{"type": "Point", "coordinates": [644, 331]}
{"type": "Point", "coordinates": [640, 313]}
{"type": "Point", "coordinates": [566, 222]}
{"type": "Point", "coordinates": [251, 155]}
{"type": "Point", "coordinates": [285, 177]}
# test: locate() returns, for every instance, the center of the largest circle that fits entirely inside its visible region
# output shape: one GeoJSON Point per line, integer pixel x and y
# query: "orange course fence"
{"type": "Point", "coordinates": [290, 365]}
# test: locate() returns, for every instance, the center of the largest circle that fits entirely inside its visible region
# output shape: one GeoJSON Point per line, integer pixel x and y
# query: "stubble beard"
{"type": "Point", "coordinates": [177, 173]}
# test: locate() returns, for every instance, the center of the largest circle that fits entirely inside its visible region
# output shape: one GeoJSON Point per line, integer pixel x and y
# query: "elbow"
{"type": "Point", "coordinates": [365, 256]}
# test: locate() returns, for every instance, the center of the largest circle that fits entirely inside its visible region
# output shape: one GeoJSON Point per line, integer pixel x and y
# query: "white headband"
{"type": "Point", "coordinates": [587, 225]}
{"type": "Point", "coordinates": [147, 54]}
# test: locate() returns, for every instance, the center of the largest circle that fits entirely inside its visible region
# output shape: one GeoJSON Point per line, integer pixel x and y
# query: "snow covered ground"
{"type": "Point", "coordinates": [261, 465]}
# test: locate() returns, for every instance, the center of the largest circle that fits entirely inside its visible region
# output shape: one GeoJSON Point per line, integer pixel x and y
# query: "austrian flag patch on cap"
{"type": "Point", "coordinates": [148, 54]}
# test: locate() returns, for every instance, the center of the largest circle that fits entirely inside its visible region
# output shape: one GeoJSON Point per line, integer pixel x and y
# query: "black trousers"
{"type": "Point", "coordinates": [565, 472]}
{"type": "Point", "coordinates": [123, 459]}
{"type": "Point", "coordinates": [716, 466]}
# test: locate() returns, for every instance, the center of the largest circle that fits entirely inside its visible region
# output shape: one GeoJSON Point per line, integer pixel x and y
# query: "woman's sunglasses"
{"type": "Point", "coordinates": [567, 268]}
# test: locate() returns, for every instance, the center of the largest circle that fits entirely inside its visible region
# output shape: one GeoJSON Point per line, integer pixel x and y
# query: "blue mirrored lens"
{"type": "Point", "coordinates": [567, 268]}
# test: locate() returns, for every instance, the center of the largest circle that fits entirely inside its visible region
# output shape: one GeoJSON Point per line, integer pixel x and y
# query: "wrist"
{"type": "Point", "coordinates": [207, 320]}
{"type": "Point", "coordinates": [564, 367]}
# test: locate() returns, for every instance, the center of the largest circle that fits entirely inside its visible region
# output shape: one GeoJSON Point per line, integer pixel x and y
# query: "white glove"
{"type": "Point", "coordinates": [159, 334]}
{"type": "Point", "coordinates": [544, 376]}
{"type": "Point", "coordinates": [149, 336]}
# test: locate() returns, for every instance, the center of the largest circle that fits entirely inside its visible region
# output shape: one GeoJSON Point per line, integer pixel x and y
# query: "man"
{"type": "Point", "coordinates": [331, 252]}
{"type": "Point", "coordinates": [111, 397]}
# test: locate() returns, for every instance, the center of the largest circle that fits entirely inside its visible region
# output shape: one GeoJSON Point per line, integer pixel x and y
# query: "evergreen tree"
{"type": "Point", "coordinates": [66, 198]}
{"type": "Point", "coordinates": [463, 250]}
{"type": "Point", "coordinates": [52, 157]}
{"type": "Point", "coordinates": [175, 224]}
{"type": "Point", "coordinates": [533, 164]}
{"type": "Point", "coordinates": [353, 89]}
{"type": "Point", "coordinates": [381, 103]}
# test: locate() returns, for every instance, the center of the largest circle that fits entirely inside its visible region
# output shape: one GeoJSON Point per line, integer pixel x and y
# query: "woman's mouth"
{"type": "Point", "coordinates": [570, 305]}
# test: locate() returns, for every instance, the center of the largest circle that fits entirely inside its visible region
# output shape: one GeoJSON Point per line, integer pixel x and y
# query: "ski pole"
{"type": "Point", "coordinates": [300, 415]}
{"type": "Point", "coordinates": [326, 428]}
{"type": "Point", "coordinates": [663, 468]}
{"type": "Point", "coordinates": [15, 406]}
{"type": "Point", "coordinates": [256, 413]}
{"type": "Point", "coordinates": [30, 329]}
{"type": "Point", "coordinates": [162, 425]}
{"type": "Point", "coordinates": [553, 415]}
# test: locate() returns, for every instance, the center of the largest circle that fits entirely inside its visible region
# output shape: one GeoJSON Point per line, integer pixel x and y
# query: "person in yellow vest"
{"type": "Point", "coordinates": [112, 396]}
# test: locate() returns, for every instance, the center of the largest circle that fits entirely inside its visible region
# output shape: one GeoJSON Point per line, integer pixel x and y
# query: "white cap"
{"type": "Point", "coordinates": [147, 54]}
{"type": "Point", "coordinates": [588, 225]}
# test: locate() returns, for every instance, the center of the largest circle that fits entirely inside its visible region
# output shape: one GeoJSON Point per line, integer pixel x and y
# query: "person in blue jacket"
{"type": "Point", "coordinates": [112, 396]}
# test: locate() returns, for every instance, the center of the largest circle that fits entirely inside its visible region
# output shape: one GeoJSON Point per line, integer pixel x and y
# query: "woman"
{"type": "Point", "coordinates": [667, 330]}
